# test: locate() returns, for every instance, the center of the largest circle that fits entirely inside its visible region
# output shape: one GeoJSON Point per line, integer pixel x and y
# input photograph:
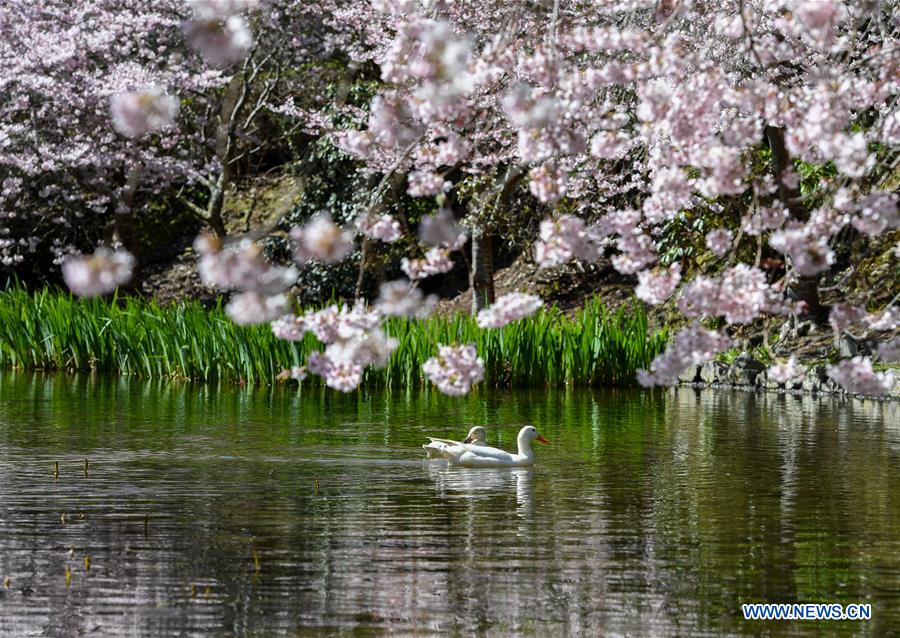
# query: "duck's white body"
{"type": "Point", "coordinates": [477, 437]}
{"type": "Point", "coordinates": [465, 455]}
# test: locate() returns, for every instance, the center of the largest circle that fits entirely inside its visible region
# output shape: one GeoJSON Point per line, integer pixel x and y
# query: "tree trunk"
{"type": "Point", "coordinates": [482, 277]}
{"type": "Point", "coordinates": [217, 201]}
{"type": "Point", "coordinates": [805, 289]}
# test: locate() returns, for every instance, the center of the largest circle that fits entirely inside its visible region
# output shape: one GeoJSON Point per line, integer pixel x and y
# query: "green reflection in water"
{"type": "Point", "coordinates": [651, 513]}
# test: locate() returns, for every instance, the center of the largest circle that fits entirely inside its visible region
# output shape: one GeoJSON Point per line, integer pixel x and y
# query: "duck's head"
{"type": "Point", "coordinates": [529, 433]}
{"type": "Point", "coordinates": [477, 435]}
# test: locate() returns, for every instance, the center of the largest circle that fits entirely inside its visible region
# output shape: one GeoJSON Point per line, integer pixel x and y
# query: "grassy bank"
{"type": "Point", "coordinates": [49, 330]}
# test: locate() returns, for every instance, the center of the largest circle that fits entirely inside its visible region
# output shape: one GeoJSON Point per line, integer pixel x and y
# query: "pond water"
{"type": "Point", "coordinates": [259, 512]}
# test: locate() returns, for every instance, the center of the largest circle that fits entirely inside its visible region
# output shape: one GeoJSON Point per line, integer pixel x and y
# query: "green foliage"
{"type": "Point", "coordinates": [811, 176]}
{"type": "Point", "coordinates": [49, 330]}
{"type": "Point", "coordinates": [683, 237]}
{"type": "Point", "coordinates": [760, 353]}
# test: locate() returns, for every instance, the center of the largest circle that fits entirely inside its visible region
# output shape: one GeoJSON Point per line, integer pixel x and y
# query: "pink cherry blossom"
{"type": "Point", "coordinates": [884, 321]}
{"type": "Point", "coordinates": [741, 294]}
{"type": "Point", "coordinates": [451, 151]}
{"type": "Point", "coordinates": [372, 348]}
{"type": "Point", "coordinates": [98, 274]}
{"type": "Point", "coordinates": [436, 261]}
{"type": "Point", "coordinates": [567, 237]}
{"type": "Point", "coordinates": [763, 219]}
{"type": "Point", "coordinates": [343, 376]}
{"type": "Point", "coordinates": [638, 250]}
{"type": "Point", "coordinates": [254, 307]}
{"type": "Point", "coordinates": [808, 249]}
{"type": "Point", "coordinates": [889, 351]}
{"type": "Point", "coordinates": [691, 346]}
{"type": "Point", "coordinates": [426, 184]}
{"type": "Point", "coordinates": [877, 212]}
{"type": "Point", "coordinates": [856, 375]}
{"type": "Point", "coordinates": [221, 42]}
{"type": "Point", "coordinates": [321, 240]}
{"type": "Point", "coordinates": [330, 324]}
{"type": "Point", "coordinates": [441, 230]}
{"type": "Point", "coordinates": [842, 316]}
{"type": "Point", "coordinates": [817, 14]}
{"type": "Point", "coordinates": [220, 9]}
{"type": "Point", "coordinates": [607, 103]}
{"type": "Point", "coordinates": [144, 111]}
{"type": "Point", "coordinates": [400, 299]}
{"type": "Point", "coordinates": [508, 308]}
{"type": "Point", "coordinates": [455, 370]}
{"type": "Point", "coordinates": [383, 227]}
{"type": "Point", "coordinates": [610, 144]}
{"type": "Point", "coordinates": [356, 322]}
{"type": "Point", "coordinates": [548, 183]}
{"type": "Point", "coordinates": [719, 241]}
{"type": "Point", "coordinates": [658, 284]}
{"type": "Point", "coordinates": [318, 364]}
{"type": "Point", "coordinates": [784, 372]}
{"type": "Point", "coordinates": [323, 324]}
{"type": "Point", "coordinates": [240, 266]}
{"type": "Point", "coordinates": [289, 328]}
{"type": "Point", "coordinates": [354, 341]}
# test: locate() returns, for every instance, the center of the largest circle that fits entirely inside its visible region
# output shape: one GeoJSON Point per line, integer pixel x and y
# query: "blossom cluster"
{"type": "Point", "coordinates": [784, 372]}
{"type": "Point", "coordinates": [857, 375]}
{"type": "Point", "coordinates": [508, 308]}
{"type": "Point", "coordinates": [656, 285]}
{"type": "Point", "coordinates": [383, 227]}
{"type": "Point", "coordinates": [322, 240]}
{"type": "Point", "coordinates": [218, 31]}
{"type": "Point", "coordinates": [741, 295]}
{"type": "Point", "coordinates": [100, 273]}
{"type": "Point", "coordinates": [400, 299]}
{"type": "Point", "coordinates": [455, 370]}
{"type": "Point", "coordinates": [842, 316]}
{"type": "Point", "coordinates": [442, 231]}
{"type": "Point", "coordinates": [140, 112]}
{"type": "Point", "coordinates": [435, 262]}
{"type": "Point", "coordinates": [719, 241]}
{"type": "Point", "coordinates": [354, 341]}
{"type": "Point", "coordinates": [565, 238]}
{"type": "Point", "coordinates": [240, 266]}
{"type": "Point", "coordinates": [691, 346]}
{"type": "Point", "coordinates": [807, 248]}
{"type": "Point", "coordinates": [889, 351]}
{"type": "Point", "coordinates": [664, 115]}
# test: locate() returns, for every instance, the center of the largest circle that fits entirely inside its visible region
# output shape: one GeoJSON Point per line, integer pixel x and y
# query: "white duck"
{"type": "Point", "coordinates": [484, 456]}
{"type": "Point", "coordinates": [477, 437]}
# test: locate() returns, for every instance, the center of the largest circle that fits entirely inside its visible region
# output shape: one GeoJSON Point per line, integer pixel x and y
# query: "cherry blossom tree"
{"type": "Point", "coordinates": [675, 105]}
{"type": "Point", "coordinates": [111, 105]}
{"type": "Point", "coordinates": [612, 120]}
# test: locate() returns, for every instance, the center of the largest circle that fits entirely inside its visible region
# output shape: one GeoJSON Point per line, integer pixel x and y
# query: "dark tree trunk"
{"type": "Point", "coordinates": [805, 289]}
{"type": "Point", "coordinates": [217, 201]}
{"type": "Point", "coordinates": [482, 277]}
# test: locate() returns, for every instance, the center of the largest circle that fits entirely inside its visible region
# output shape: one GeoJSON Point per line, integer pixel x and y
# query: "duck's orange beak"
{"type": "Point", "coordinates": [541, 439]}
